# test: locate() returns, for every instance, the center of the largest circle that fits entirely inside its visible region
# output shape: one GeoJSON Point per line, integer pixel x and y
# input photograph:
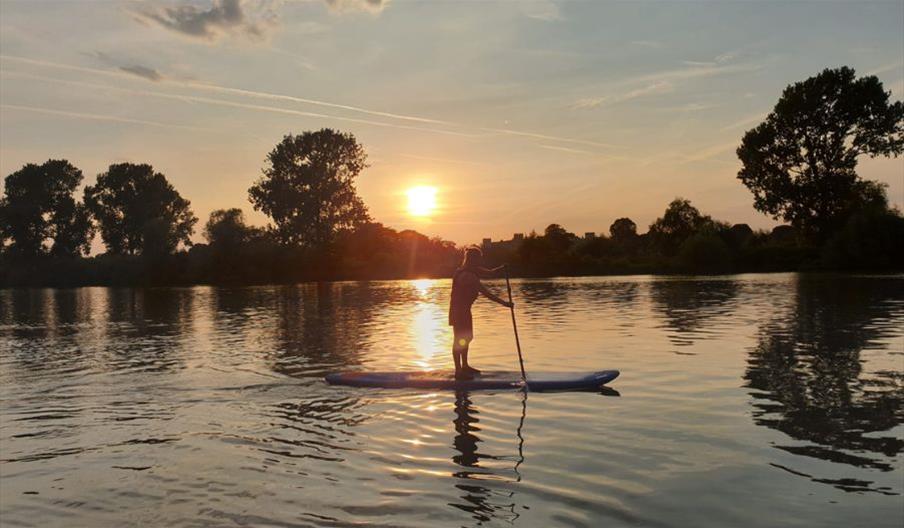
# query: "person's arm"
{"type": "Point", "coordinates": [491, 296]}
{"type": "Point", "coordinates": [489, 272]}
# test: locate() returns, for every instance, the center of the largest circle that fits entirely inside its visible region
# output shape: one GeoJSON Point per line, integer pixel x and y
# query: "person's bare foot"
{"type": "Point", "coordinates": [471, 370]}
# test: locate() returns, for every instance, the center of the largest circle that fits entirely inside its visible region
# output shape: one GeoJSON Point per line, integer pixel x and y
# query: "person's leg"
{"type": "Point", "coordinates": [464, 355]}
{"type": "Point", "coordinates": [460, 355]}
{"type": "Point", "coordinates": [456, 354]}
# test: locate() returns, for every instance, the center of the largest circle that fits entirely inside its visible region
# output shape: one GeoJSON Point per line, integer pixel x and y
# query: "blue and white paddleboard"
{"type": "Point", "coordinates": [496, 380]}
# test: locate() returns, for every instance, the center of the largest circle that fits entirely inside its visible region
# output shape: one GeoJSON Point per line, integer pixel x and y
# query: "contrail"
{"type": "Point", "coordinates": [289, 98]}
{"type": "Point", "coordinates": [233, 104]}
{"type": "Point", "coordinates": [226, 89]}
{"type": "Point", "coordinates": [280, 97]}
{"type": "Point", "coordinates": [98, 117]}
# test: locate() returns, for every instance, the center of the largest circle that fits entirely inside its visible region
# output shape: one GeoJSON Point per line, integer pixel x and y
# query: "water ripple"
{"type": "Point", "coordinates": [206, 406]}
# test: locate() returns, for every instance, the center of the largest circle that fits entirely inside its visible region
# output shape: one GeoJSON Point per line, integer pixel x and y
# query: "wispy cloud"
{"type": "Point", "coordinates": [346, 6]}
{"type": "Point", "coordinates": [588, 102]}
{"type": "Point", "coordinates": [545, 10]}
{"type": "Point", "coordinates": [302, 62]}
{"type": "Point", "coordinates": [665, 81]}
{"type": "Point", "coordinates": [143, 71]}
{"type": "Point", "coordinates": [697, 72]}
{"type": "Point", "coordinates": [128, 66]}
{"type": "Point", "coordinates": [719, 59]}
{"type": "Point", "coordinates": [654, 44]}
{"type": "Point", "coordinates": [691, 107]}
{"type": "Point", "coordinates": [443, 160]}
{"type": "Point", "coordinates": [708, 153]}
{"type": "Point", "coordinates": [744, 122]}
{"type": "Point", "coordinates": [562, 139]}
{"type": "Point", "coordinates": [655, 88]}
{"type": "Point", "coordinates": [658, 87]}
{"type": "Point", "coordinates": [222, 17]}
{"type": "Point", "coordinates": [885, 68]}
{"type": "Point", "coordinates": [567, 149]}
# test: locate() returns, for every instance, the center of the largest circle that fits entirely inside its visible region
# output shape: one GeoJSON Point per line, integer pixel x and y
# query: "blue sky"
{"type": "Point", "coordinates": [520, 113]}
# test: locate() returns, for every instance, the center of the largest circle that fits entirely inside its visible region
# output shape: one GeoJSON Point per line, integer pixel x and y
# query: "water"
{"type": "Point", "coordinates": [754, 400]}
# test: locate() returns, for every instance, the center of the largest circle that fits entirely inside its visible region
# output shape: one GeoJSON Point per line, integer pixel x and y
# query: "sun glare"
{"type": "Point", "coordinates": [421, 200]}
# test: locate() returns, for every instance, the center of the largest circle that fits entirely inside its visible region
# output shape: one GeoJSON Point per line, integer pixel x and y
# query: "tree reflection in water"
{"type": "Point", "coordinates": [810, 382]}
{"type": "Point", "coordinates": [687, 306]}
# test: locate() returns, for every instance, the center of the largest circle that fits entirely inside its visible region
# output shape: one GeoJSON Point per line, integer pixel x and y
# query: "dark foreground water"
{"type": "Point", "coordinates": [755, 400]}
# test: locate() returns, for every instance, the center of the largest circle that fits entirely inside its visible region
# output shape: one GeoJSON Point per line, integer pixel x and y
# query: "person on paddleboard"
{"type": "Point", "coordinates": [466, 287]}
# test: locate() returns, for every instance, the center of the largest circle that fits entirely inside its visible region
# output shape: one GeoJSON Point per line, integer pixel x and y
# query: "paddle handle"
{"type": "Point", "coordinates": [508, 286]}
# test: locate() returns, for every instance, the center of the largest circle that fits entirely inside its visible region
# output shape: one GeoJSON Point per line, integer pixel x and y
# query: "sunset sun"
{"type": "Point", "coordinates": [421, 201]}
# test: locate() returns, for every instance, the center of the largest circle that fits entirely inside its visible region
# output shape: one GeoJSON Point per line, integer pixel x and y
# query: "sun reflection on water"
{"type": "Point", "coordinates": [428, 332]}
{"type": "Point", "coordinates": [422, 286]}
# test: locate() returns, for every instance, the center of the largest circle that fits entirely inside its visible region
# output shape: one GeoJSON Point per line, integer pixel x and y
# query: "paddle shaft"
{"type": "Point", "coordinates": [508, 287]}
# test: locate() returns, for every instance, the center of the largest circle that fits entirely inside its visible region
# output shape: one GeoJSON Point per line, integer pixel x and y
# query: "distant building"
{"type": "Point", "coordinates": [487, 244]}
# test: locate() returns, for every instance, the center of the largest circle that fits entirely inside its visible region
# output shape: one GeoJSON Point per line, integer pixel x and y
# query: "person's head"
{"type": "Point", "coordinates": [473, 257]}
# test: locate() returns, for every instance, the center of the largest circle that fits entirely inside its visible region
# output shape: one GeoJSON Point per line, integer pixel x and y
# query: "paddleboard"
{"type": "Point", "coordinates": [488, 380]}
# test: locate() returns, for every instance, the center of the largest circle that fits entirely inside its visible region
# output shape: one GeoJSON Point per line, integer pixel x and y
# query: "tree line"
{"type": "Point", "coordinates": [799, 163]}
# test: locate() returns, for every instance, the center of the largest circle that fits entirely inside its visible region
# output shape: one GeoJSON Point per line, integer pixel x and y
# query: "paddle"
{"type": "Point", "coordinates": [508, 286]}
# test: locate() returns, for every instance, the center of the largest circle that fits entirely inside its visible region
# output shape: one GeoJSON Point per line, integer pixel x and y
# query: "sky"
{"type": "Point", "coordinates": [521, 114]}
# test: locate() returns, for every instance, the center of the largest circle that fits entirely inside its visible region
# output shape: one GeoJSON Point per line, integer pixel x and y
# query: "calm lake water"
{"type": "Point", "coordinates": [751, 400]}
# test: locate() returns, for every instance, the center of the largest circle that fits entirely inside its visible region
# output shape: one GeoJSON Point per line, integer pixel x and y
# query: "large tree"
{"type": "Point", "coordinates": [800, 162]}
{"type": "Point", "coordinates": [38, 206]}
{"type": "Point", "coordinates": [623, 230]}
{"type": "Point", "coordinates": [308, 187]}
{"type": "Point", "coordinates": [558, 238]}
{"type": "Point", "coordinates": [139, 211]}
{"type": "Point", "coordinates": [680, 221]}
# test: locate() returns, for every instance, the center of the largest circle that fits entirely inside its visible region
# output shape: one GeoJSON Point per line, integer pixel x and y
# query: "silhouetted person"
{"type": "Point", "coordinates": [466, 287]}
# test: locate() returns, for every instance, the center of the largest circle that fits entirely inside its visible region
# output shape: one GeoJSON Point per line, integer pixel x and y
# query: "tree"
{"type": "Point", "coordinates": [869, 240]}
{"type": "Point", "coordinates": [558, 238]}
{"type": "Point", "coordinates": [800, 162]}
{"type": "Point", "coordinates": [375, 251]}
{"type": "Point", "coordinates": [139, 211]}
{"type": "Point", "coordinates": [38, 205]}
{"type": "Point", "coordinates": [72, 229]}
{"type": "Point", "coordinates": [677, 224]}
{"type": "Point", "coordinates": [704, 253]}
{"type": "Point", "coordinates": [308, 187]}
{"type": "Point", "coordinates": [622, 230]}
{"type": "Point", "coordinates": [226, 229]}
{"type": "Point", "coordinates": [738, 235]}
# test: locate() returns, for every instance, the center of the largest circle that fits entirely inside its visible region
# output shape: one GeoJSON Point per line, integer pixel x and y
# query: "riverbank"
{"type": "Point", "coordinates": [182, 270]}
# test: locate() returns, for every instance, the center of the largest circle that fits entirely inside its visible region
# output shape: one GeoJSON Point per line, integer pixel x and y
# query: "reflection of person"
{"type": "Point", "coordinates": [476, 497]}
{"type": "Point", "coordinates": [466, 287]}
{"type": "Point", "coordinates": [484, 503]}
{"type": "Point", "coordinates": [465, 441]}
